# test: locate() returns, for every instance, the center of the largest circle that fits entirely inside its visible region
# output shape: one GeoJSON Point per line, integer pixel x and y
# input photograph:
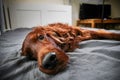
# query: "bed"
{"type": "Point", "coordinates": [93, 60]}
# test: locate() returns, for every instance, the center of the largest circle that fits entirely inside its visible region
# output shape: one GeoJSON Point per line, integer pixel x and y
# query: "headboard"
{"type": "Point", "coordinates": [29, 15]}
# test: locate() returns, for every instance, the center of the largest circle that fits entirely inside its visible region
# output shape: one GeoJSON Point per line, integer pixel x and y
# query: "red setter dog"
{"type": "Point", "coordinates": [48, 44]}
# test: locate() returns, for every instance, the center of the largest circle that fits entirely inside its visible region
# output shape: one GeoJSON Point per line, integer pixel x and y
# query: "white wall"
{"type": "Point", "coordinates": [115, 8]}
{"type": "Point", "coordinates": [91, 1]}
{"type": "Point", "coordinates": [37, 1]}
{"type": "Point", "coordinates": [75, 11]}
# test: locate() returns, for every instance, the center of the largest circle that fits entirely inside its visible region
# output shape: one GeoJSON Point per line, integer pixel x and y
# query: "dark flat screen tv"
{"type": "Point", "coordinates": [92, 11]}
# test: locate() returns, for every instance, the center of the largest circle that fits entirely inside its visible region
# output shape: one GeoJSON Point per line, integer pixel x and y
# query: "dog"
{"type": "Point", "coordinates": [48, 44]}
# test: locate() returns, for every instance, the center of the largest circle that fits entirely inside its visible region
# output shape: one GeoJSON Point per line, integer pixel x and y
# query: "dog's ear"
{"type": "Point", "coordinates": [23, 49]}
{"type": "Point", "coordinates": [26, 50]}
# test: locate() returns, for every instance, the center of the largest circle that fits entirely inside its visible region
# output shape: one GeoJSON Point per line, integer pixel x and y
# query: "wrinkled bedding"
{"type": "Point", "coordinates": [93, 60]}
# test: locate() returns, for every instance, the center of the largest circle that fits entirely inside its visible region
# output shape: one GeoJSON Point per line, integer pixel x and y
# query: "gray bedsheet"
{"type": "Point", "coordinates": [94, 60]}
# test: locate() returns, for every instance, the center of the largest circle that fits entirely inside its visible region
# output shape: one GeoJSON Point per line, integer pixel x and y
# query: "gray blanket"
{"type": "Point", "coordinates": [94, 60]}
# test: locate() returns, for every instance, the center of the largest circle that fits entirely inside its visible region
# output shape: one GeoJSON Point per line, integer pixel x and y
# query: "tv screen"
{"type": "Point", "coordinates": [106, 11]}
{"type": "Point", "coordinates": [87, 11]}
{"type": "Point", "coordinates": [91, 11]}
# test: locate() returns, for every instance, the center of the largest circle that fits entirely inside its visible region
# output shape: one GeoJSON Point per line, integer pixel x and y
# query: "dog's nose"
{"type": "Point", "coordinates": [50, 61]}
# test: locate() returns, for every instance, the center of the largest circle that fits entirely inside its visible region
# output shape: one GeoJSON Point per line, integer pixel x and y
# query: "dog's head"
{"type": "Point", "coordinates": [40, 45]}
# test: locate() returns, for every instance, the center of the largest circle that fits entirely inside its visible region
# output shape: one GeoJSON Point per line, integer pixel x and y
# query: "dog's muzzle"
{"type": "Point", "coordinates": [50, 61]}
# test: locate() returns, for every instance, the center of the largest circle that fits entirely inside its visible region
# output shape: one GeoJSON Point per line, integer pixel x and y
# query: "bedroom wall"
{"type": "Point", "coordinates": [115, 8]}
{"type": "Point", "coordinates": [57, 2]}
{"type": "Point", "coordinates": [91, 1]}
{"type": "Point", "coordinates": [75, 10]}
{"type": "Point", "coordinates": [37, 1]}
